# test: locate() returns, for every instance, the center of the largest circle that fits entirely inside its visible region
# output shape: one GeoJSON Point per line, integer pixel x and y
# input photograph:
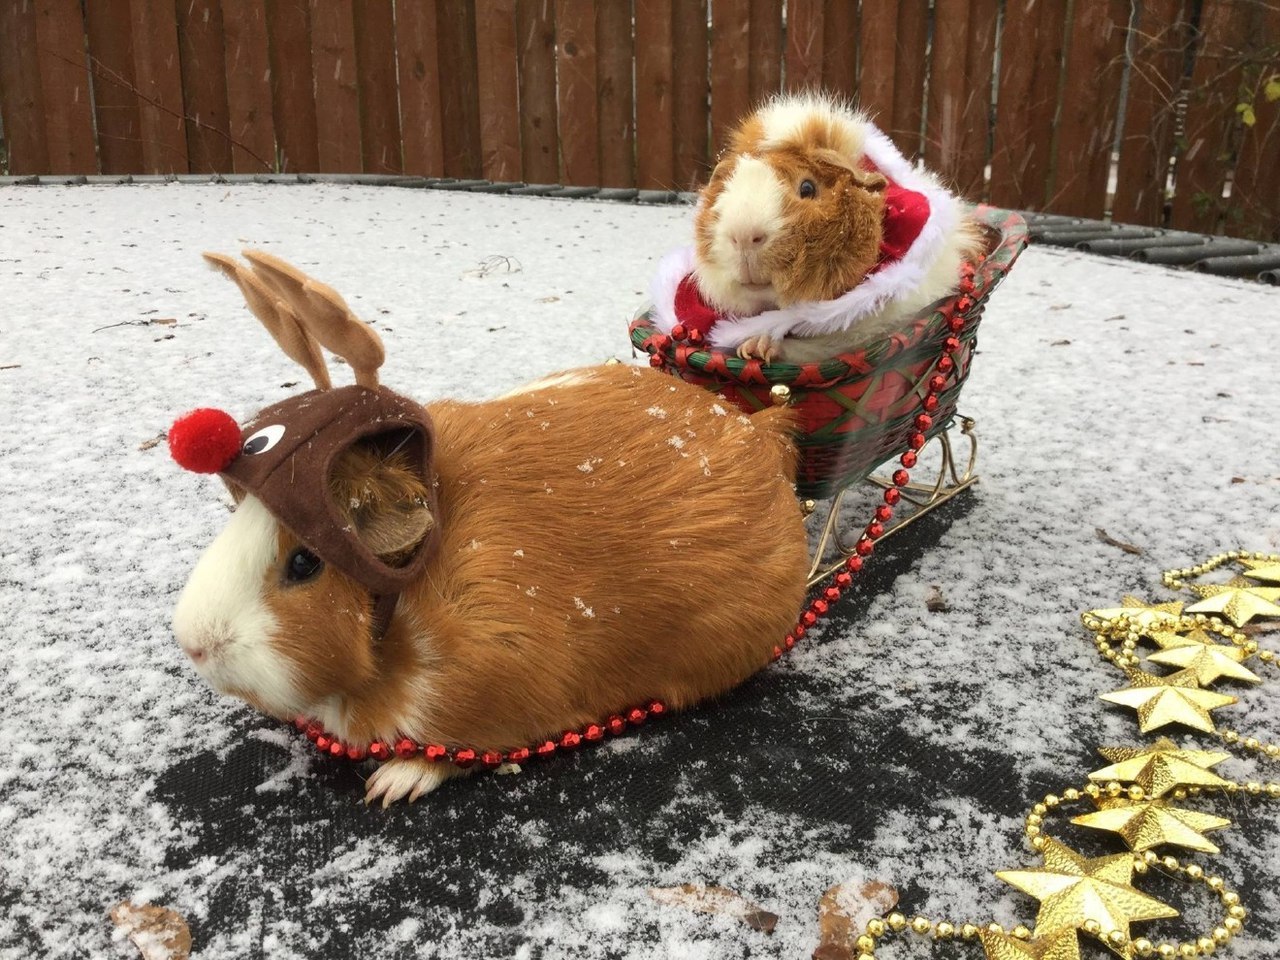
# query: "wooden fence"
{"type": "Point", "coordinates": [1016, 101]}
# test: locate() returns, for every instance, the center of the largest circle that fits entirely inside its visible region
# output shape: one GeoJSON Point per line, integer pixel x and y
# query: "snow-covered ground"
{"type": "Point", "coordinates": [1108, 395]}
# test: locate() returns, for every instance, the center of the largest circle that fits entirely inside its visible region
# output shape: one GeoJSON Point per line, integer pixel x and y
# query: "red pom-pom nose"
{"type": "Point", "coordinates": [205, 440]}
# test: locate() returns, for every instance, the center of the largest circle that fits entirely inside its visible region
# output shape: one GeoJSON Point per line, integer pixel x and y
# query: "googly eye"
{"type": "Point", "coordinates": [264, 439]}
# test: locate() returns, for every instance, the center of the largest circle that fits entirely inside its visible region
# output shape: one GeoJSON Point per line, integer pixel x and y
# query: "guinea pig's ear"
{"type": "Point", "coordinates": [870, 180]}
{"type": "Point", "coordinates": [385, 501]}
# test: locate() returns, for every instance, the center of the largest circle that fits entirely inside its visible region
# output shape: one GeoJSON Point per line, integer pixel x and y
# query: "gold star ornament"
{"type": "Point", "coordinates": [1162, 767]}
{"type": "Point", "coordinates": [1153, 823]}
{"type": "Point", "coordinates": [1209, 662]}
{"type": "Point", "coordinates": [1073, 889]}
{"type": "Point", "coordinates": [1237, 600]}
{"type": "Point", "coordinates": [1268, 571]}
{"type": "Point", "coordinates": [1059, 945]}
{"type": "Point", "coordinates": [1160, 701]}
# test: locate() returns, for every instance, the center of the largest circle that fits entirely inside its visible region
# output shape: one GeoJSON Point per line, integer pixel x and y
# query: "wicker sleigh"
{"type": "Point", "coordinates": [858, 409]}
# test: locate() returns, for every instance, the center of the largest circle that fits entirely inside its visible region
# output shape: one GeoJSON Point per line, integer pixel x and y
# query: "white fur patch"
{"type": "Point", "coordinates": [222, 611]}
{"type": "Point", "coordinates": [750, 205]}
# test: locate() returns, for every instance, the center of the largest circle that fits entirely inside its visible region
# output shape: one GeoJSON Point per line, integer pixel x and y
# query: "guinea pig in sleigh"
{"type": "Point", "coordinates": [458, 584]}
{"type": "Point", "coordinates": [813, 236]}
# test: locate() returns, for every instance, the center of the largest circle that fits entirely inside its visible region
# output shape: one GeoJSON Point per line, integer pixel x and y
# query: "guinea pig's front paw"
{"type": "Point", "coordinates": [763, 347]}
{"type": "Point", "coordinates": [398, 778]}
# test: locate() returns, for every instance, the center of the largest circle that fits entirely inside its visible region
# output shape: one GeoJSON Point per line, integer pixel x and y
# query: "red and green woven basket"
{"type": "Point", "coordinates": [856, 409]}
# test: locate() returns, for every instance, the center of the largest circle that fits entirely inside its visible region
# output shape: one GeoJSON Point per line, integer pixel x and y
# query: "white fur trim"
{"type": "Point", "coordinates": [899, 280]}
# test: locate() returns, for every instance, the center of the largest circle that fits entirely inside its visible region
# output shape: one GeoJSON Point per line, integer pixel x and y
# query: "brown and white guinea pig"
{"type": "Point", "coordinates": [596, 529]}
{"type": "Point", "coordinates": [815, 235]}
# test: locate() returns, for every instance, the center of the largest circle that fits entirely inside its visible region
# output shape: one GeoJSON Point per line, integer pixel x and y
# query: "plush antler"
{"type": "Point", "coordinates": [324, 315]}
{"type": "Point", "coordinates": [277, 316]}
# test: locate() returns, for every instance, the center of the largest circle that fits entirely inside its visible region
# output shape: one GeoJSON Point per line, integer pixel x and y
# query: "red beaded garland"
{"type": "Point", "coordinates": [854, 563]}
{"type": "Point", "coordinates": [570, 739]}
{"type": "Point", "coordinates": [379, 751]}
{"type": "Point", "coordinates": [657, 708]}
{"type": "Point", "coordinates": [491, 758]}
{"type": "Point", "coordinates": [546, 748]}
{"type": "Point", "coordinates": [808, 618]}
{"type": "Point", "coordinates": [637, 715]}
{"type": "Point", "coordinates": [777, 653]}
{"type": "Point", "coordinates": [356, 753]}
{"type": "Point", "coordinates": [917, 441]}
{"type": "Point", "coordinates": [819, 607]}
{"type": "Point", "coordinates": [405, 748]}
{"type": "Point", "coordinates": [435, 752]}
{"type": "Point", "coordinates": [901, 478]}
{"type": "Point", "coordinates": [875, 529]}
{"type": "Point", "coordinates": [322, 743]}
{"type": "Point", "coordinates": [937, 383]}
{"type": "Point", "coordinates": [518, 756]}
{"type": "Point", "coordinates": [844, 579]}
{"type": "Point", "coordinates": [789, 641]}
{"type": "Point", "coordinates": [892, 496]}
{"type": "Point", "coordinates": [695, 338]}
{"type": "Point", "coordinates": [678, 332]}
{"type": "Point", "coordinates": [956, 324]}
{"type": "Point", "coordinates": [930, 403]}
{"type": "Point", "coordinates": [945, 364]}
{"type": "Point", "coordinates": [831, 594]}
{"type": "Point", "coordinates": [865, 547]}
{"type": "Point", "coordinates": [464, 758]}
{"type": "Point", "coordinates": [594, 732]}
{"type": "Point", "coordinates": [655, 360]}
{"type": "Point", "coordinates": [616, 725]}
{"type": "Point", "coordinates": [923, 421]}
{"type": "Point", "coordinates": [951, 344]}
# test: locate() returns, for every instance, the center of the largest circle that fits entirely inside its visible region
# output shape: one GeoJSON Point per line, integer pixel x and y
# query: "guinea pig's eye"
{"type": "Point", "coordinates": [808, 189]}
{"type": "Point", "coordinates": [301, 566]}
{"type": "Point", "coordinates": [264, 439]}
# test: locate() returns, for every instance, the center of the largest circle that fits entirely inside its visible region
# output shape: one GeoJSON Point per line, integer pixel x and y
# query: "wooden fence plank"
{"type": "Point", "coordinates": [840, 47]}
{"type": "Point", "coordinates": [1090, 103]}
{"type": "Point", "coordinates": [908, 78]}
{"type": "Point", "coordinates": [614, 99]}
{"type": "Point", "coordinates": [376, 82]}
{"type": "Point", "coordinates": [655, 147]}
{"type": "Point", "coordinates": [1159, 37]}
{"type": "Point", "coordinates": [204, 85]}
{"type": "Point", "coordinates": [157, 72]}
{"type": "Point", "coordinates": [803, 60]}
{"type": "Point", "coordinates": [498, 77]}
{"type": "Point", "coordinates": [972, 152]}
{"type": "Point", "coordinates": [948, 87]}
{"type": "Point", "coordinates": [333, 62]}
{"type": "Point", "coordinates": [115, 105]}
{"type": "Point", "coordinates": [418, 60]}
{"type": "Point", "coordinates": [1254, 209]}
{"type": "Point", "coordinates": [460, 96]}
{"type": "Point", "coordinates": [64, 86]}
{"type": "Point", "coordinates": [293, 97]}
{"type": "Point", "coordinates": [248, 65]}
{"type": "Point", "coordinates": [877, 32]}
{"type": "Point", "coordinates": [690, 87]}
{"type": "Point", "coordinates": [1212, 124]}
{"type": "Point", "coordinates": [1030, 67]}
{"type": "Point", "coordinates": [765, 38]}
{"type": "Point", "coordinates": [20, 100]}
{"type": "Point", "coordinates": [577, 107]}
{"type": "Point", "coordinates": [540, 158]}
{"type": "Point", "coordinates": [730, 66]}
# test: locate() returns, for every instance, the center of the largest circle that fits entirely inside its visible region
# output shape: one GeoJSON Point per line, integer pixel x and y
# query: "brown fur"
{"type": "Point", "coordinates": [553, 504]}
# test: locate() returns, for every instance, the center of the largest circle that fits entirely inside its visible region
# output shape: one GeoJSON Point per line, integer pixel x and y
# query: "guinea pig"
{"type": "Point", "coordinates": [595, 533]}
{"type": "Point", "coordinates": [814, 235]}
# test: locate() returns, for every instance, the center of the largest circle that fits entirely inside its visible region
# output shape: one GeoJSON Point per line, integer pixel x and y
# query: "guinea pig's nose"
{"type": "Point", "coordinates": [747, 238]}
{"type": "Point", "coordinates": [194, 651]}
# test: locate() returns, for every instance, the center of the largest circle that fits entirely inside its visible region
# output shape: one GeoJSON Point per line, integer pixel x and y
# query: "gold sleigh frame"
{"type": "Point", "coordinates": [918, 497]}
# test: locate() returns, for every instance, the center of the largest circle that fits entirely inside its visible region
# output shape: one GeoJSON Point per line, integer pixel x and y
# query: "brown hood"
{"type": "Point", "coordinates": [286, 460]}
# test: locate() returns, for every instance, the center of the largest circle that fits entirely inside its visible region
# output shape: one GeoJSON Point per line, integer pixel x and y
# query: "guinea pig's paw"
{"type": "Point", "coordinates": [763, 347]}
{"type": "Point", "coordinates": [397, 779]}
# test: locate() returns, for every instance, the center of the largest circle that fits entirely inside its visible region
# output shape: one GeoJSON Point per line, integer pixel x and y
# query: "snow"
{"type": "Point", "coordinates": [1161, 396]}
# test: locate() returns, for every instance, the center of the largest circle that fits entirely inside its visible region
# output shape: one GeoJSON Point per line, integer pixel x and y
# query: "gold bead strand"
{"type": "Point", "coordinates": [1176, 578]}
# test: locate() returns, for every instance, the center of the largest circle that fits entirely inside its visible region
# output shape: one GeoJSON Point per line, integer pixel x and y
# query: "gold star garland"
{"type": "Point", "coordinates": [1139, 796]}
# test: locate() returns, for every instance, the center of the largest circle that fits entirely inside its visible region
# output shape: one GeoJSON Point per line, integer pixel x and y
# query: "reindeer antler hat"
{"type": "Point", "coordinates": [285, 454]}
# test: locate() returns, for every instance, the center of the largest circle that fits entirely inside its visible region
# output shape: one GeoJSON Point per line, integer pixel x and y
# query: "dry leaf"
{"type": "Point", "coordinates": [1060, 343]}
{"type": "Point", "coordinates": [550, 299]}
{"type": "Point", "coordinates": [934, 601]}
{"type": "Point", "coordinates": [716, 900]}
{"type": "Point", "coordinates": [843, 913]}
{"type": "Point", "coordinates": [1237, 479]}
{"type": "Point", "coordinates": [154, 441]}
{"type": "Point", "coordinates": [164, 321]}
{"type": "Point", "coordinates": [1113, 542]}
{"type": "Point", "coordinates": [11, 366]}
{"type": "Point", "coordinates": [159, 934]}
